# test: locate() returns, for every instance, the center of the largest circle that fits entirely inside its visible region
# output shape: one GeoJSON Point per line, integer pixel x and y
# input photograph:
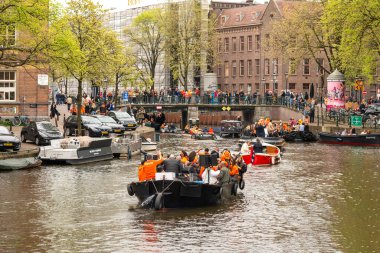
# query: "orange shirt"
{"type": "Point", "coordinates": [184, 160]}
{"type": "Point", "coordinates": [234, 170]}
{"type": "Point", "coordinates": [147, 171]}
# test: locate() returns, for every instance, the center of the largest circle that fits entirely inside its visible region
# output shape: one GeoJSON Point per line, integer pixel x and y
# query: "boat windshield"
{"type": "Point", "coordinates": [4, 131]}
{"type": "Point", "coordinates": [106, 119]}
{"type": "Point", "coordinates": [46, 126]}
{"type": "Point", "coordinates": [90, 120]}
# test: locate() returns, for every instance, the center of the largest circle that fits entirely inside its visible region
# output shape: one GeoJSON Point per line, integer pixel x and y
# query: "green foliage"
{"type": "Point", "coordinates": [146, 35]}
{"type": "Point", "coordinates": [29, 20]}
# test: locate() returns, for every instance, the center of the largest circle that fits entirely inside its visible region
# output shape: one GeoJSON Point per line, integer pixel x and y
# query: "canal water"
{"type": "Point", "coordinates": [320, 198]}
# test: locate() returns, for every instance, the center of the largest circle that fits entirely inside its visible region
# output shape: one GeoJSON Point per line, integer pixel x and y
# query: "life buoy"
{"type": "Point", "coordinates": [159, 201]}
{"type": "Point", "coordinates": [130, 190]}
{"type": "Point", "coordinates": [241, 184]}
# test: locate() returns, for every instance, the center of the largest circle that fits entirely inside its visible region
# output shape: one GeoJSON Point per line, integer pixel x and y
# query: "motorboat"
{"type": "Point", "coordinates": [299, 136]}
{"type": "Point", "coordinates": [126, 145]}
{"type": "Point", "coordinates": [169, 191]}
{"type": "Point", "coordinates": [231, 127]}
{"type": "Point", "coordinates": [271, 155]}
{"type": "Point", "coordinates": [203, 136]}
{"type": "Point", "coordinates": [77, 150]}
{"type": "Point", "coordinates": [26, 159]}
{"type": "Point", "coordinates": [147, 144]}
{"type": "Point", "coordinates": [372, 140]}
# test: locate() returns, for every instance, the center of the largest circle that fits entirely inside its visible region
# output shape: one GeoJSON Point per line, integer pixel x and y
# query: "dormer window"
{"type": "Point", "coordinates": [224, 19]}
{"type": "Point", "coordinates": [239, 17]}
{"type": "Point", "coordinates": [255, 15]}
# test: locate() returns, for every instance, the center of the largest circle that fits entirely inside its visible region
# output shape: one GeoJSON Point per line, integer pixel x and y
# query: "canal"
{"type": "Point", "coordinates": [320, 198]}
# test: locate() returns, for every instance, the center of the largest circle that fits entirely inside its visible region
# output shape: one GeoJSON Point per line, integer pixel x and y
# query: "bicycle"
{"type": "Point", "coordinates": [18, 120]}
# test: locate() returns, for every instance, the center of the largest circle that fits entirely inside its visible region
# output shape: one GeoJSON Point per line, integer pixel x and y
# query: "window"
{"type": "Point", "coordinates": [319, 66]}
{"type": "Point", "coordinates": [233, 68]}
{"type": "Point", "coordinates": [226, 87]}
{"type": "Point", "coordinates": [305, 86]}
{"type": "Point", "coordinates": [241, 43]}
{"type": "Point", "coordinates": [226, 69]}
{"type": "Point", "coordinates": [292, 86]}
{"type": "Point", "coordinates": [219, 69]}
{"type": "Point", "coordinates": [267, 42]}
{"type": "Point", "coordinates": [249, 88]}
{"type": "Point", "coordinates": [257, 42]}
{"type": "Point", "coordinates": [226, 44]}
{"type": "Point", "coordinates": [234, 48]}
{"type": "Point", "coordinates": [241, 87]}
{"type": "Point", "coordinates": [293, 66]}
{"type": "Point", "coordinates": [257, 87]}
{"type": "Point", "coordinates": [234, 87]}
{"type": "Point", "coordinates": [257, 66]}
{"type": "Point", "coordinates": [241, 66]}
{"type": "Point", "coordinates": [249, 42]}
{"type": "Point", "coordinates": [249, 67]}
{"type": "Point", "coordinates": [306, 66]}
{"type": "Point", "coordinates": [7, 35]}
{"type": "Point", "coordinates": [266, 67]}
{"type": "Point", "coordinates": [219, 45]}
{"type": "Point", "coordinates": [275, 66]}
{"type": "Point", "coordinates": [7, 85]}
{"type": "Point", "coordinates": [266, 86]}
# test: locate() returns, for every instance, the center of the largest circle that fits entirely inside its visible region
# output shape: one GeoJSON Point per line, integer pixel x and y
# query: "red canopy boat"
{"type": "Point", "coordinates": [270, 155]}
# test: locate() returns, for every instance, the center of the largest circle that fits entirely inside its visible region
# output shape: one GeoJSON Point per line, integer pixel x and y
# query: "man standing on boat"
{"type": "Point", "coordinates": [173, 165]}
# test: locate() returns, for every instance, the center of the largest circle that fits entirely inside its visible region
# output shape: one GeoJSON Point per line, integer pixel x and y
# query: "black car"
{"type": "Point", "coordinates": [108, 121]}
{"type": "Point", "coordinates": [40, 132]}
{"type": "Point", "coordinates": [92, 126]}
{"type": "Point", "coordinates": [8, 140]}
{"type": "Point", "coordinates": [373, 109]}
{"type": "Point", "coordinates": [124, 118]}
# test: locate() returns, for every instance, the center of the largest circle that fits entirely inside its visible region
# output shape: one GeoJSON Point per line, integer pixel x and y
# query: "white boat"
{"type": "Point", "coordinates": [127, 145]}
{"type": "Point", "coordinates": [147, 144]}
{"type": "Point", "coordinates": [77, 150]}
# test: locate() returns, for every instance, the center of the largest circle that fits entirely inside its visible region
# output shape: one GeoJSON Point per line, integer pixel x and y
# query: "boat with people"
{"type": "Point", "coordinates": [231, 128]}
{"type": "Point", "coordinates": [26, 159]}
{"type": "Point", "coordinates": [276, 141]}
{"type": "Point", "coordinates": [260, 153]}
{"type": "Point", "coordinates": [77, 150]}
{"type": "Point", "coordinates": [300, 136]}
{"type": "Point", "coordinates": [169, 189]}
{"type": "Point", "coordinates": [365, 139]}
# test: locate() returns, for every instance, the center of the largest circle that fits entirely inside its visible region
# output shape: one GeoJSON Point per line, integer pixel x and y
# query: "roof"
{"type": "Point", "coordinates": [243, 16]}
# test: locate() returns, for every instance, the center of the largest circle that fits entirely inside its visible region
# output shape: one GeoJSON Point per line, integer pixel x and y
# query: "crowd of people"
{"type": "Point", "coordinates": [227, 167]}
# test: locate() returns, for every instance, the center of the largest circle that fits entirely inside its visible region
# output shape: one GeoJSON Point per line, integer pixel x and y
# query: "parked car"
{"type": "Point", "coordinates": [40, 132]}
{"type": "Point", "coordinates": [108, 121]}
{"type": "Point", "coordinates": [373, 109]}
{"type": "Point", "coordinates": [92, 126]}
{"type": "Point", "coordinates": [8, 140]}
{"type": "Point", "coordinates": [123, 118]}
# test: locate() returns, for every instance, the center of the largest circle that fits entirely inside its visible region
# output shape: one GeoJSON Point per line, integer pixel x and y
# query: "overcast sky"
{"type": "Point", "coordinates": [123, 4]}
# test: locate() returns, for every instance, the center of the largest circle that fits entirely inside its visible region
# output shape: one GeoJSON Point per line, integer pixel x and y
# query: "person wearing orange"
{"type": "Point", "coordinates": [184, 157]}
{"type": "Point", "coordinates": [148, 169]}
{"type": "Point", "coordinates": [211, 131]}
{"type": "Point", "coordinates": [74, 110]}
{"type": "Point", "coordinates": [226, 156]}
{"type": "Point", "coordinates": [234, 168]}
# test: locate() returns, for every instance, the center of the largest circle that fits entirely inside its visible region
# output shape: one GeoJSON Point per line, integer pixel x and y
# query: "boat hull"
{"type": "Point", "coordinates": [19, 163]}
{"type": "Point", "coordinates": [371, 140]}
{"type": "Point", "coordinates": [182, 194]}
{"type": "Point", "coordinates": [298, 136]}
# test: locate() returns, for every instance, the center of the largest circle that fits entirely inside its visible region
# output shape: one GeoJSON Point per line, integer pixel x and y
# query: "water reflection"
{"type": "Point", "coordinates": [319, 199]}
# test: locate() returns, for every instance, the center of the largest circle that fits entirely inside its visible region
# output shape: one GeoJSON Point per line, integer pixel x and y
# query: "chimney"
{"type": "Point", "coordinates": [250, 2]}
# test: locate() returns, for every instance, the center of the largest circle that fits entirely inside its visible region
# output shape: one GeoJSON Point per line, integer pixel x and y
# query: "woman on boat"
{"type": "Point", "coordinates": [184, 157]}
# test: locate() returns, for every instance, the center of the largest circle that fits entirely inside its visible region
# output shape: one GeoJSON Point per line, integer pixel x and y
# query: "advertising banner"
{"type": "Point", "coordinates": [335, 94]}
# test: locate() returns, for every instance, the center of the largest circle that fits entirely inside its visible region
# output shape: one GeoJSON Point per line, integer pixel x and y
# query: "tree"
{"type": "Point", "coordinates": [357, 25]}
{"type": "Point", "coordinates": [146, 35]}
{"type": "Point", "coordinates": [81, 45]}
{"type": "Point", "coordinates": [29, 20]}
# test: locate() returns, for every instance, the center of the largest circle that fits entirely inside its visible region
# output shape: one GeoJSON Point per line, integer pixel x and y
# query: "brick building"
{"type": "Point", "coordinates": [243, 65]}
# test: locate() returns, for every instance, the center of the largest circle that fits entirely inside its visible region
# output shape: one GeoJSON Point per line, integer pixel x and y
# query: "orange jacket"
{"type": "Point", "coordinates": [147, 171]}
{"type": "Point", "coordinates": [234, 170]}
{"type": "Point", "coordinates": [226, 156]}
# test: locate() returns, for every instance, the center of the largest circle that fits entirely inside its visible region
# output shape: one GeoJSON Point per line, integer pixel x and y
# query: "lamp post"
{"type": "Point", "coordinates": [286, 88]}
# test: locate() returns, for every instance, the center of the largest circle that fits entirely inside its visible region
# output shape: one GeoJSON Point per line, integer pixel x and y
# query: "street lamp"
{"type": "Point", "coordinates": [286, 88]}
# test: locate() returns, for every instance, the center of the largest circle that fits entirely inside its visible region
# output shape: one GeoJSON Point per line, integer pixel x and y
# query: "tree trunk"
{"type": "Point", "coordinates": [79, 107]}
{"type": "Point", "coordinates": [66, 86]}
{"type": "Point", "coordinates": [116, 89]}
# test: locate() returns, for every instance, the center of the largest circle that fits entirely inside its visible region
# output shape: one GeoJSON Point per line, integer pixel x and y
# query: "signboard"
{"type": "Point", "coordinates": [356, 121]}
{"type": "Point", "coordinates": [359, 85]}
{"type": "Point", "coordinates": [43, 79]}
{"type": "Point", "coordinates": [125, 96]}
{"type": "Point", "coordinates": [335, 94]}
{"type": "Point", "coordinates": [364, 92]}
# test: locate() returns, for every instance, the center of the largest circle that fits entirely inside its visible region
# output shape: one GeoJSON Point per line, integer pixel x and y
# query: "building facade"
{"type": "Point", "coordinates": [244, 65]}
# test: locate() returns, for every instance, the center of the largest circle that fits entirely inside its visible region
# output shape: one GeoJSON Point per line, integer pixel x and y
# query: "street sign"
{"type": "Point", "coordinates": [228, 108]}
{"type": "Point", "coordinates": [224, 108]}
{"type": "Point", "coordinates": [364, 92]}
{"type": "Point", "coordinates": [125, 96]}
{"type": "Point", "coordinates": [356, 121]}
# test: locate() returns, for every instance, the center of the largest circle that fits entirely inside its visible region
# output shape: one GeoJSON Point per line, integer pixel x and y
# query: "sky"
{"type": "Point", "coordinates": [123, 4]}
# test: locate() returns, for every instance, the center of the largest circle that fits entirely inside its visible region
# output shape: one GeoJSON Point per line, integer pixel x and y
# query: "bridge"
{"type": "Point", "coordinates": [182, 112]}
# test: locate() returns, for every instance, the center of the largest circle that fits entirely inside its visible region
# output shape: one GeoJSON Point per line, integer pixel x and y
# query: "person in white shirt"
{"type": "Point", "coordinates": [302, 127]}
{"type": "Point", "coordinates": [245, 148]}
{"type": "Point", "coordinates": [209, 176]}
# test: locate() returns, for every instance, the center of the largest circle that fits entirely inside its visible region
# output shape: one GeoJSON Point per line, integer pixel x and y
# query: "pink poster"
{"type": "Point", "coordinates": [335, 94]}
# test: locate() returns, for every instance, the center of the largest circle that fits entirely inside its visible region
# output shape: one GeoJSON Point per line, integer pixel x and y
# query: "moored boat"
{"type": "Point", "coordinates": [372, 140]}
{"type": "Point", "coordinates": [147, 144]}
{"type": "Point", "coordinates": [77, 150]}
{"type": "Point", "coordinates": [300, 136]}
{"type": "Point", "coordinates": [127, 145]}
{"type": "Point", "coordinates": [203, 136]}
{"type": "Point", "coordinates": [26, 159]}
